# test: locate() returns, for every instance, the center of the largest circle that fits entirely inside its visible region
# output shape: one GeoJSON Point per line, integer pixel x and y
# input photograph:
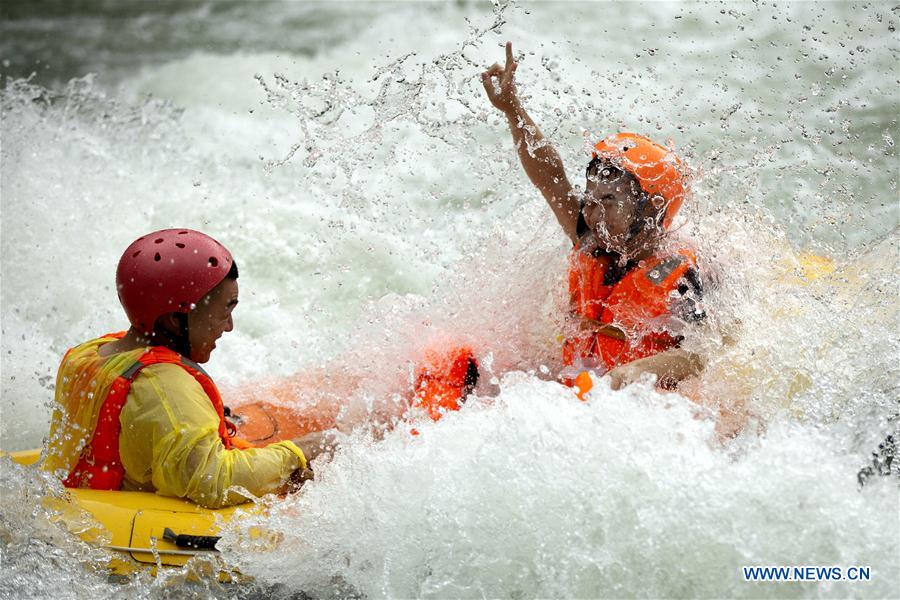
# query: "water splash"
{"type": "Point", "coordinates": [403, 218]}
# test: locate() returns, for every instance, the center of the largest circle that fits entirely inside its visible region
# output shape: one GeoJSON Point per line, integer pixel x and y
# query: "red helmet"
{"type": "Point", "coordinates": [168, 271]}
{"type": "Point", "coordinates": [656, 168]}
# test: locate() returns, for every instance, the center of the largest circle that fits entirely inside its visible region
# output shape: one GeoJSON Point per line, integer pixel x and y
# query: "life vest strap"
{"type": "Point", "coordinates": [99, 466]}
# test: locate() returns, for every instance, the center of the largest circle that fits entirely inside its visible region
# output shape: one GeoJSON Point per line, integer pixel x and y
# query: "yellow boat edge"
{"type": "Point", "coordinates": [134, 524]}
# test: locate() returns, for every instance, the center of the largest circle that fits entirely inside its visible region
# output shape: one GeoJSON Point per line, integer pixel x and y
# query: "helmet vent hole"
{"type": "Point", "coordinates": [157, 257]}
{"type": "Point", "coordinates": [158, 241]}
{"type": "Point", "coordinates": [135, 254]}
{"type": "Point", "coordinates": [213, 261]}
{"type": "Point", "coordinates": [182, 233]}
{"type": "Point", "coordinates": [179, 244]}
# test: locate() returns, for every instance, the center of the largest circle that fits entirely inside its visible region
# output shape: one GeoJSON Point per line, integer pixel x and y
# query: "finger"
{"type": "Point", "coordinates": [509, 56]}
{"type": "Point", "coordinates": [487, 77]}
{"type": "Point", "coordinates": [488, 84]}
{"type": "Point", "coordinates": [509, 75]}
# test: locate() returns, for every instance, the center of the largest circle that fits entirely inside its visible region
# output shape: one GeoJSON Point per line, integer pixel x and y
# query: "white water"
{"type": "Point", "coordinates": [402, 217]}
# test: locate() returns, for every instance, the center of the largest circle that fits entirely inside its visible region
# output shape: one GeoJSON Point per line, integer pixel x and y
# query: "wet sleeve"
{"type": "Point", "coordinates": [170, 436]}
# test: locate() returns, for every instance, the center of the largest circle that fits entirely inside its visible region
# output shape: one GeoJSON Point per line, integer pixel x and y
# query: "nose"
{"type": "Point", "coordinates": [229, 325]}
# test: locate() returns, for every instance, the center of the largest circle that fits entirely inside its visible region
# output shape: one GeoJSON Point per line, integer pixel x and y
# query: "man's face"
{"type": "Point", "coordinates": [611, 202]}
{"type": "Point", "coordinates": [211, 319]}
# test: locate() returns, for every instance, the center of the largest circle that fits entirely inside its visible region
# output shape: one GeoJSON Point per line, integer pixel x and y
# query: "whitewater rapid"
{"type": "Point", "coordinates": [374, 204]}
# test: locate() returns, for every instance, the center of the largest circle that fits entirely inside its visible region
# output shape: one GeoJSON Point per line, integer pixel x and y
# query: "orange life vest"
{"type": "Point", "coordinates": [99, 467]}
{"type": "Point", "coordinates": [445, 379]}
{"type": "Point", "coordinates": [636, 308]}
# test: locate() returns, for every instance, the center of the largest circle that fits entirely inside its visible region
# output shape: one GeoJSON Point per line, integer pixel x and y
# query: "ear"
{"type": "Point", "coordinates": [169, 323]}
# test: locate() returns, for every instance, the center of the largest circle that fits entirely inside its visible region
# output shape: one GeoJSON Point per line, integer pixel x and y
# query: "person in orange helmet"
{"type": "Point", "coordinates": [630, 292]}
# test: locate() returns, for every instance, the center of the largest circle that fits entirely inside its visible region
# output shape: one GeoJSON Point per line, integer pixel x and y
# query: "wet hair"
{"type": "Point", "coordinates": [604, 165]}
{"type": "Point", "coordinates": [180, 341]}
{"type": "Point", "coordinates": [233, 271]}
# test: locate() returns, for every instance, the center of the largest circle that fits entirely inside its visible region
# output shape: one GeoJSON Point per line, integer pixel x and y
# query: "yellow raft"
{"type": "Point", "coordinates": [146, 530]}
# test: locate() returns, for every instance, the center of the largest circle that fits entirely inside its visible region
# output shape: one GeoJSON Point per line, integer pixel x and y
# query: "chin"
{"type": "Point", "coordinates": [613, 245]}
{"type": "Point", "coordinates": [200, 357]}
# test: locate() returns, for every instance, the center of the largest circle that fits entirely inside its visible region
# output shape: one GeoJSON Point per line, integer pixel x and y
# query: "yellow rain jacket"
{"type": "Point", "coordinates": [169, 441]}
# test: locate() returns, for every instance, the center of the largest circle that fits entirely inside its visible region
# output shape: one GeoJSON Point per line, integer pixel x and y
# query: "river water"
{"type": "Point", "coordinates": [347, 155]}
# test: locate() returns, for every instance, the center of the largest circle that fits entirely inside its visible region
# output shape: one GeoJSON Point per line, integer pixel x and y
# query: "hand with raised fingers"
{"type": "Point", "coordinates": [500, 84]}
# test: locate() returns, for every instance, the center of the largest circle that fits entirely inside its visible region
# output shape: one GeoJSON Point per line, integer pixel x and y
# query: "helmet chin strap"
{"type": "Point", "coordinates": [184, 339]}
{"type": "Point", "coordinates": [178, 341]}
{"type": "Point", "coordinates": [639, 224]}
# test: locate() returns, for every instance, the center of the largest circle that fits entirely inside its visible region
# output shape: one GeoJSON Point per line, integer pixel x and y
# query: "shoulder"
{"type": "Point", "coordinates": [167, 393]}
{"type": "Point", "coordinates": [687, 252]}
{"type": "Point", "coordinates": [166, 380]}
{"type": "Point", "coordinates": [686, 255]}
{"type": "Point", "coordinates": [682, 267]}
{"type": "Point", "coordinates": [680, 259]}
{"type": "Point", "coordinates": [684, 261]}
{"type": "Point", "coordinates": [166, 371]}
{"type": "Point", "coordinates": [690, 289]}
{"type": "Point", "coordinates": [695, 276]}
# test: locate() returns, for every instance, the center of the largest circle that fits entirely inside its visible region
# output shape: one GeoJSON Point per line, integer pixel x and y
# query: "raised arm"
{"type": "Point", "coordinates": [539, 158]}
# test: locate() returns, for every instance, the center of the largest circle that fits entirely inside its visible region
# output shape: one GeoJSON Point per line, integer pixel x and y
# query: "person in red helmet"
{"type": "Point", "coordinates": [630, 293]}
{"type": "Point", "coordinates": [136, 411]}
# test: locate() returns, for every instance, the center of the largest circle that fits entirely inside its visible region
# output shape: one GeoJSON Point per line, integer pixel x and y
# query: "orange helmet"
{"type": "Point", "coordinates": [656, 168]}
